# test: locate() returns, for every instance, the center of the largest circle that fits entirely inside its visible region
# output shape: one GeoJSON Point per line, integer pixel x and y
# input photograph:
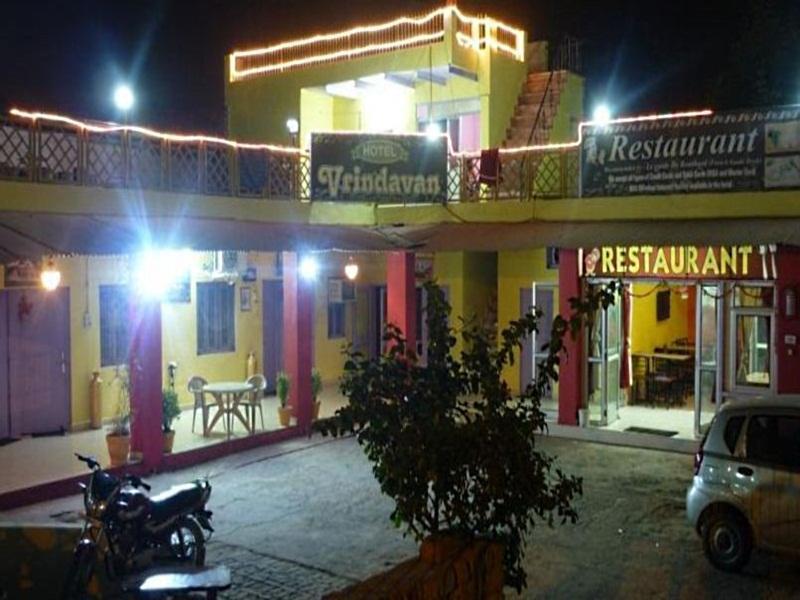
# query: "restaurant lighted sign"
{"type": "Point", "coordinates": [679, 262]}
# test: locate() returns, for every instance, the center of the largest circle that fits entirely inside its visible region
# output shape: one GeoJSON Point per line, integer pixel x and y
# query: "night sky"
{"type": "Point", "coordinates": [640, 55]}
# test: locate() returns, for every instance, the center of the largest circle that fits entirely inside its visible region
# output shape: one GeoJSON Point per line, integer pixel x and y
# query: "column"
{"type": "Point", "coordinates": [298, 337]}
{"type": "Point", "coordinates": [570, 379]}
{"type": "Point", "coordinates": [144, 370]}
{"type": "Point", "coordinates": [401, 295]}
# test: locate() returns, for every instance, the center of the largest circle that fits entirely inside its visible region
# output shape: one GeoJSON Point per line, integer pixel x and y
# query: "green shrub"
{"type": "Point", "coordinates": [170, 409]}
{"type": "Point", "coordinates": [450, 444]}
{"type": "Point", "coordinates": [282, 388]}
{"type": "Point", "coordinates": [316, 384]}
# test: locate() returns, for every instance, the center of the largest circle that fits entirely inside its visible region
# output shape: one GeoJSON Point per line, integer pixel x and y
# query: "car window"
{"type": "Point", "coordinates": [774, 439]}
{"type": "Point", "coordinates": [732, 429]}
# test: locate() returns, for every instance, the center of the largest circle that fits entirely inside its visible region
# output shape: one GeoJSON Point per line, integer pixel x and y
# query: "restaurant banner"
{"type": "Point", "coordinates": [679, 262]}
{"type": "Point", "coordinates": [356, 167]}
{"type": "Point", "coordinates": [750, 150]}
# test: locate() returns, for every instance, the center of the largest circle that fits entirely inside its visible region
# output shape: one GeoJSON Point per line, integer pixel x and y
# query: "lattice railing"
{"type": "Point", "coordinates": [64, 154]}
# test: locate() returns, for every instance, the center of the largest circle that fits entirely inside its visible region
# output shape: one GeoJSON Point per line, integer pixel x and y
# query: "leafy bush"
{"type": "Point", "coordinates": [120, 424]}
{"type": "Point", "coordinates": [170, 409]}
{"type": "Point", "coordinates": [316, 384]}
{"type": "Point", "coordinates": [449, 443]}
{"type": "Point", "coordinates": [282, 388]}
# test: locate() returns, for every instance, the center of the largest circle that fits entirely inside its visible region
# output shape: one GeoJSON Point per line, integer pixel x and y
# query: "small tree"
{"type": "Point", "coordinates": [170, 409]}
{"type": "Point", "coordinates": [449, 442]}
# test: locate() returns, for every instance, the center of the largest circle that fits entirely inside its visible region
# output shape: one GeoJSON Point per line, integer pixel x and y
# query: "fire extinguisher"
{"type": "Point", "coordinates": [251, 364]}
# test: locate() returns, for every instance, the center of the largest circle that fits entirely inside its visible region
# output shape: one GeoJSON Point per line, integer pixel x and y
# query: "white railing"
{"type": "Point", "coordinates": [365, 40]}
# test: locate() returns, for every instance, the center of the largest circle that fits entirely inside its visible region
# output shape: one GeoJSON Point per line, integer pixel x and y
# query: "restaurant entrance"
{"type": "Point", "coordinates": [686, 345]}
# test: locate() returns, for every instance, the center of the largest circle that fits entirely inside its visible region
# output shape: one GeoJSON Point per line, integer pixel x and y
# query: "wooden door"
{"type": "Point", "coordinates": [39, 361]}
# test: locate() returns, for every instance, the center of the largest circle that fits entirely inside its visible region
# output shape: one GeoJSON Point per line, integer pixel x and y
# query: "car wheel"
{"type": "Point", "coordinates": [726, 540]}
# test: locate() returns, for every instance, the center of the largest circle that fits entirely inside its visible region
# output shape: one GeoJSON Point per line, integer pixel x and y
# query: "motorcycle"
{"type": "Point", "coordinates": [130, 531]}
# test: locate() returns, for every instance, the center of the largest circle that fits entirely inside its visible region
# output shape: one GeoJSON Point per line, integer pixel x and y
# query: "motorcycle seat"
{"type": "Point", "coordinates": [177, 499]}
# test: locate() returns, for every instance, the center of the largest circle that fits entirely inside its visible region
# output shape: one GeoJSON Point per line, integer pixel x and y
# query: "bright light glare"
{"type": "Point", "coordinates": [157, 270]}
{"type": "Point", "coordinates": [123, 97]}
{"type": "Point", "coordinates": [309, 268]}
{"type": "Point", "coordinates": [292, 125]}
{"type": "Point", "coordinates": [51, 276]}
{"type": "Point", "coordinates": [432, 130]}
{"type": "Point", "coordinates": [602, 115]}
{"type": "Point", "coordinates": [351, 270]}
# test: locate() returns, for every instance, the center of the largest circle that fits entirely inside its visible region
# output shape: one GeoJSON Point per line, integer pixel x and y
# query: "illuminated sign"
{"type": "Point", "coordinates": [378, 168]}
{"type": "Point", "coordinates": [679, 262]}
{"type": "Point", "coordinates": [751, 150]}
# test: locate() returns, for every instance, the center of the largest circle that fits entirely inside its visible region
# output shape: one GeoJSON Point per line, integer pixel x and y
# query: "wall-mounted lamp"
{"type": "Point", "coordinates": [351, 269]}
{"type": "Point", "coordinates": [50, 276]}
{"type": "Point", "coordinates": [790, 302]}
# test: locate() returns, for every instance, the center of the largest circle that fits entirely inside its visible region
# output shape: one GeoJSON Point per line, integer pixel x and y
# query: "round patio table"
{"type": "Point", "coordinates": [227, 395]}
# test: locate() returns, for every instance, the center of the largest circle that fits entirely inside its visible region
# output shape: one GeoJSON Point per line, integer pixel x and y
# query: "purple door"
{"type": "Point", "coordinates": [38, 350]}
{"type": "Point", "coordinates": [5, 430]}
{"type": "Point", "coordinates": [272, 324]}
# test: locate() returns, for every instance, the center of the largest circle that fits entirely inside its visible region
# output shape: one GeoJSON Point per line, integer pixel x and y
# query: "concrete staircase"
{"type": "Point", "coordinates": [535, 94]}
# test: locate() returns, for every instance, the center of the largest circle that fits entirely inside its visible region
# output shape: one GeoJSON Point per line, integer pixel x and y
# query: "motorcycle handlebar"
{"type": "Point", "coordinates": [90, 462]}
{"type": "Point", "coordinates": [137, 482]}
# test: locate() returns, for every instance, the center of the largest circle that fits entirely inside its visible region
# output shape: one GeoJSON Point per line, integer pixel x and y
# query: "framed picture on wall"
{"type": "Point", "coordinates": [662, 305]}
{"type": "Point", "coordinates": [245, 298]}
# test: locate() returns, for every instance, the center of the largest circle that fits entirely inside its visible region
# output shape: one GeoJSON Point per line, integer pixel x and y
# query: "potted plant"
{"type": "Point", "coordinates": [170, 410]}
{"type": "Point", "coordinates": [282, 389]}
{"type": "Point", "coordinates": [118, 435]}
{"type": "Point", "coordinates": [450, 444]}
{"type": "Point", "coordinates": [316, 388]}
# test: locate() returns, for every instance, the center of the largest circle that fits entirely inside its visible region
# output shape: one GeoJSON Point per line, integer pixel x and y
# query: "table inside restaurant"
{"type": "Point", "coordinates": [228, 395]}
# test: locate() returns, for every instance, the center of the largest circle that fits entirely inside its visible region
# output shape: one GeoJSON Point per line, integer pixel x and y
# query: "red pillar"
{"type": "Point", "coordinates": [570, 377]}
{"type": "Point", "coordinates": [788, 354]}
{"type": "Point", "coordinates": [144, 369]}
{"type": "Point", "coordinates": [401, 295]}
{"type": "Point", "coordinates": [298, 319]}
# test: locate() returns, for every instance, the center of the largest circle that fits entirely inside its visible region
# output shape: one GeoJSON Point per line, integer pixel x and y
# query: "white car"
{"type": "Point", "coordinates": [746, 488]}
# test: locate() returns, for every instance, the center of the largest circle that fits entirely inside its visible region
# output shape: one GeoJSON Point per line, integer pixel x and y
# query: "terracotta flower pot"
{"type": "Point", "coordinates": [315, 410]}
{"type": "Point", "coordinates": [118, 448]}
{"type": "Point", "coordinates": [169, 440]}
{"type": "Point", "coordinates": [285, 416]}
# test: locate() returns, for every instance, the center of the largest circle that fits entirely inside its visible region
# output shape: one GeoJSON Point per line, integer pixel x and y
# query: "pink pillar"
{"type": "Point", "coordinates": [146, 379]}
{"type": "Point", "coordinates": [401, 295]}
{"type": "Point", "coordinates": [298, 319]}
{"type": "Point", "coordinates": [570, 379]}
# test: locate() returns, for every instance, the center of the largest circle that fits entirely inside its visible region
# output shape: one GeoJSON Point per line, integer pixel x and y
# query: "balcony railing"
{"type": "Point", "coordinates": [368, 40]}
{"type": "Point", "coordinates": [43, 151]}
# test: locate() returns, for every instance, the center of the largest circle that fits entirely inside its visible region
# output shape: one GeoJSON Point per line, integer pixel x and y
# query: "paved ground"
{"type": "Point", "coordinates": [306, 517]}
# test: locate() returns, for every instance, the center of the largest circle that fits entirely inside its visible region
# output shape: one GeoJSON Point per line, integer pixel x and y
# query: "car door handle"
{"type": "Point", "coordinates": [747, 471]}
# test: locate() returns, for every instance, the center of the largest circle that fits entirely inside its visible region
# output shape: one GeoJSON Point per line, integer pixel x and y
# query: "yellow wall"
{"type": "Point", "coordinates": [179, 330]}
{"type": "Point", "coordinates": [516, 270]}
{"type": "Point", "coordinates": [646, 333]}
{"type": "Point", "coordinates": [471, 279]}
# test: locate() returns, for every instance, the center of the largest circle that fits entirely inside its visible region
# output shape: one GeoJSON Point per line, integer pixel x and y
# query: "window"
{"type": "Point", "coordinates": [215, 318]}
{"type": "Point", "coordinates": [336, 320]}
{"type": "Point", "coordinates": [114, 317]}
{"type": "Point", "coordinates": [732, 429]}
{"type": "Point", "coordinates": [774, 440]}
{"type": "Point", "coordinates": [753, 350]}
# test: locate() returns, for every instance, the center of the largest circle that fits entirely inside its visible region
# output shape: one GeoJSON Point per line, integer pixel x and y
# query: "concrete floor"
{"type": "Point", "coordinates": [31, 461]}
{"type": "Point", "coordinates": [301, 518]}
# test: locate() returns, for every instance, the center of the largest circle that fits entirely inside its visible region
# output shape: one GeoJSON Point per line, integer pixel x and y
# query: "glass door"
{"type": "Point", "coordinates": [604, 350]}
{"type": "Point", "coordinates": [707, 374]}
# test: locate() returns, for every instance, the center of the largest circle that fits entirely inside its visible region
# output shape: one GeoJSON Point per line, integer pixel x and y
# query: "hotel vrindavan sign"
{"type": "Point", "coordinates": [355, 167]}
{"type": "Point", "coordinates": [679, 262]}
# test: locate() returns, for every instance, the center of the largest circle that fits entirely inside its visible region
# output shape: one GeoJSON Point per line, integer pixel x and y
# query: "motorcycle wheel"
{"type": "Point", "coordinates": [187, 542]}
{"type": "Point", "coordinates": [81, 568]}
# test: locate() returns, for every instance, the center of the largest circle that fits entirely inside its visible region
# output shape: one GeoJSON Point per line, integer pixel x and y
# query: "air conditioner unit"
{"type": "Point", "coordinates": [226, 265]}
{"type": "Point", "coordinates": [341, 290]}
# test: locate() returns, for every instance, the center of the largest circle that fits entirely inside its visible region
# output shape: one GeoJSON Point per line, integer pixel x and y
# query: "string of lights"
{"type": "Point", "coordinates": [489, 39]}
